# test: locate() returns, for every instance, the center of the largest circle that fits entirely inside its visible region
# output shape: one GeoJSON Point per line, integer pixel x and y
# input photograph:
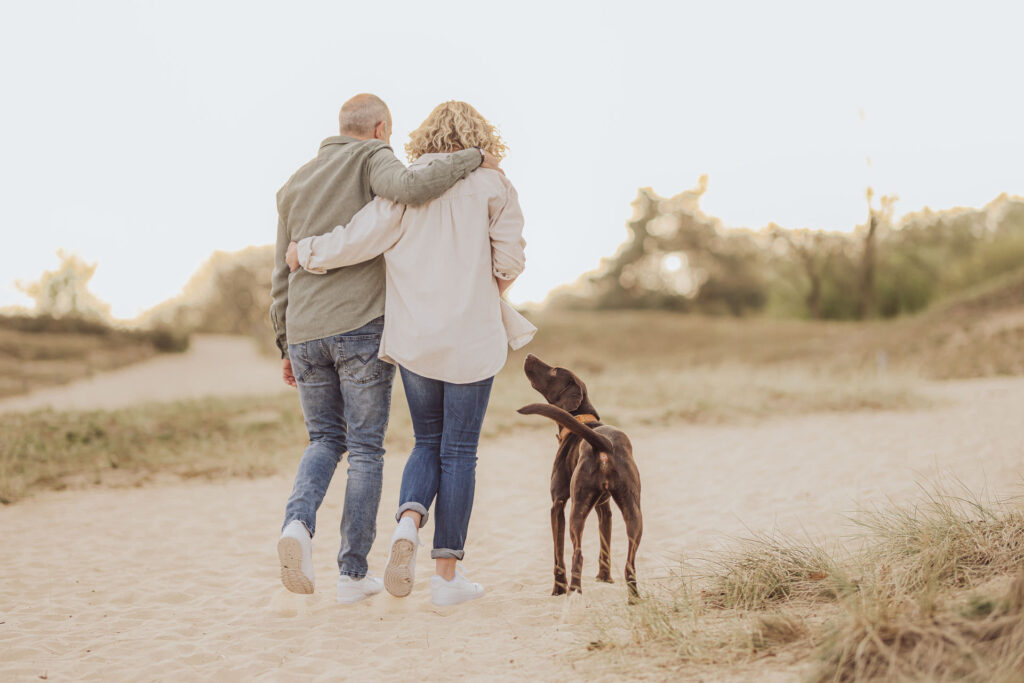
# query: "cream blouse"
{"type": "Point", "coordinates": [444, 318]}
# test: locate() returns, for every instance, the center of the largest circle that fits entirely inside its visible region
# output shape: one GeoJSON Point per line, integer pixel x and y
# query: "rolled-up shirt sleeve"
{"type": "Point", "coordinates": [392, 180]}
{"type": "Point", "coordinates": [371, 232]}
{"type": "Point", "coordinates": [508, 248]}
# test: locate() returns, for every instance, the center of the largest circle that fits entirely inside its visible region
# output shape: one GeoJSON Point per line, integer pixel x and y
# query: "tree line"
{"type": "Point", "coordinates": [678, 258]}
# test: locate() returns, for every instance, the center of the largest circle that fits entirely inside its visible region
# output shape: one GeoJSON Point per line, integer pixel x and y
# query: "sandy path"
{"type": "Point", "coordinates": [179, 582]}
{"type": "Point", "coordinates": [214, 365]}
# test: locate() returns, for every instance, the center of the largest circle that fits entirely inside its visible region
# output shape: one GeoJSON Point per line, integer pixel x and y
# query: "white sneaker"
{"type": "Point", "coordinates": [459, 589]}
{"type": "Point", "coordinates": [400, 571]}
{"type": "Point", "coordinates": [353, 590]}
{"type": "Point", "coordinates": [295, 551]}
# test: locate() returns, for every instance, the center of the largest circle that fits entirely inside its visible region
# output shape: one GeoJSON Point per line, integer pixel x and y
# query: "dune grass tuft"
{"type": "Point", "coordinates": [768, 569]}
{"type": "Point", "coordinates": [950, 538]}
{"type": "Point", "coordinates": [877, 640]}
{"type": "Point", "coordinates": [939, 596]}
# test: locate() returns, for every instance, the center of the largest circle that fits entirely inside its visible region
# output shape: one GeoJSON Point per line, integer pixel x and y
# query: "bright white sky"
{"type": "Point", "coordinates": [145, 135]}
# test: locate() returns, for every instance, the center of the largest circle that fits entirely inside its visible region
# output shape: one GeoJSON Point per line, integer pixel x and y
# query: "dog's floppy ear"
{"type": "Point", "coordinates": [571, 396]}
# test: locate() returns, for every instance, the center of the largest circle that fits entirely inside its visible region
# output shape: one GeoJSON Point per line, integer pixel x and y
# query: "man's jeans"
{"type": "Point", "coordinates": [446, 419]}
{"type": "Point", "coordinates": [345, 392]}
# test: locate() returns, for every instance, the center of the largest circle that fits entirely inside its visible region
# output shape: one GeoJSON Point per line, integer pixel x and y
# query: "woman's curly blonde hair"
{"type": "Point", "coordinates": [453, 126]}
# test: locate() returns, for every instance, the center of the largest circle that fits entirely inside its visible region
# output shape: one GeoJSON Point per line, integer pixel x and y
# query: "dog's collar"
{"type": "Point", "coordinates": [584, 419]}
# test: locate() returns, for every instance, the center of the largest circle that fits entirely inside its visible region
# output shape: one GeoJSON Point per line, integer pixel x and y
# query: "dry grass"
{"type": "Point", "coordinates": [35, 360]}
{"type": "Point", "coordinates": [645, 367]}
{"type": "Point", "coordinates": [938, 596]}
{"type": "Point", "coordinates": [38, 352]}
{"type": "Point", "coordinates": [641, 367]}
{"type": "Point", "coordinates": [973, 336]}
{"type": "Point", "coordinates": [208, 438]}
{"type": "Point", "coordinates": [766, 570]}
{"type": "Point", "coordinates": [876, 640]}
{"type": "Point", "coordinates": [951, 538]}
{"type": "Point", "coordinates": [650, 378]}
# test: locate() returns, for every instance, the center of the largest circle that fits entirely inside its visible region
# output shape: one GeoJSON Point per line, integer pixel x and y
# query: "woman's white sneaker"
{"type": "Point", "coordinates": [295, 551]}
{"type": "Point", "coordinates": [460, 589]}
{"type": "Point", "coordinates": [353, 590]}
{"type": "Point", "coordinates": [400, 571]}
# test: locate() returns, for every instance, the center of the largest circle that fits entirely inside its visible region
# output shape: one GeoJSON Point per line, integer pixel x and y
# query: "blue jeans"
{"type": "Point", "coordinates": [446, 419]}
{"type": "Point", "coordinates": [345, 392]}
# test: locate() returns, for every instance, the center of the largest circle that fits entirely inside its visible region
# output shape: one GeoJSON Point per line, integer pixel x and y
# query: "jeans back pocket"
{"type": "Point", "coordinates": [359, 359]}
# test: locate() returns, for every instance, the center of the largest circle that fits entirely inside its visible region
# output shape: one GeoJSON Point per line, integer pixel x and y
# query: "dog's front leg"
{"type": "Point", "coordinates": [558, 533]}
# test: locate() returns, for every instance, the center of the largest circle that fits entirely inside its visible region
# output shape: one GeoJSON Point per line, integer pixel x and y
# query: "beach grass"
{"type": "Point", "coordinates": [41, 351]}
{"type": "Point", "coordinates": [205, 438]}
{"type": "Point", "coordinates": [682, 372]}
{"type": "Point", "coordinates": [642, 368]}
{"type": "Point", "coordinates": [932, 591]}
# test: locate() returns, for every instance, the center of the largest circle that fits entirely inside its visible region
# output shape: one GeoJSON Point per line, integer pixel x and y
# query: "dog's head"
{"type": "Point", "coordinates": [560, 387]}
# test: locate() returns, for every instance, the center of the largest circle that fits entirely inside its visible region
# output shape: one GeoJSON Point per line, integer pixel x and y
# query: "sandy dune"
{"type": "Point", "coordinates": [214, 365]}
{"type": "Point", "coordinates": [179, 582]}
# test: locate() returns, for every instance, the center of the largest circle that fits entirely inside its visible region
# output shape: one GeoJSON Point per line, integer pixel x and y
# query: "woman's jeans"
{"type": "Point", "coordinates": [345, 392]}
{"type": "Point", "coordinates": [446, 419]}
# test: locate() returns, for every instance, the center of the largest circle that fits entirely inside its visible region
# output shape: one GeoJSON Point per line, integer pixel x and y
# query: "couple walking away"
{"type": "Point", "coordinates": [377, 266]}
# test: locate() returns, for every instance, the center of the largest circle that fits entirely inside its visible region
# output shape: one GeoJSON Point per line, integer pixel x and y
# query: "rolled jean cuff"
{"type": "Point", "coordinates": [352, 574]}
{"type": "Point", "coordinates": [415, 507]}
{"type": "Point", "coordinates": [446, 554]}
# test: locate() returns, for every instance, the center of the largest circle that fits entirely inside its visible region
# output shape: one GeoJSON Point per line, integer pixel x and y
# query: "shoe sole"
{"type": "Point", "coordinates": [289, 551]}
{"type": "Point", "coordinates": [398, 573]}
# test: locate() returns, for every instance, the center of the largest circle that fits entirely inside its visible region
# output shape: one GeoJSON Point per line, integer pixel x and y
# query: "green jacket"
{"type": "Point", "coordinates": [345, 175]}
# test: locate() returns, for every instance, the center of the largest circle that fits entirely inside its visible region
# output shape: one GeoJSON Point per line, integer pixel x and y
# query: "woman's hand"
{"type": "Point", "coordinates": [291, 257]}
{"type": "Point", "coordinates": [503, 284]}
{"type": "Point", "coordinates": [490, 161]}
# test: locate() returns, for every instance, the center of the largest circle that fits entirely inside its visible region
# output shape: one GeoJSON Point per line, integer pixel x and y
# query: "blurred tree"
{"type": "Point", "coordinates": [229, 294]}
{"type": "Point", "coordinates": [813, 251]}
{"type": "Point", "coordinates": [678, 258]}
{"type": "Point", "coordinates": [64, 292]}
{"type": "Point", "coordinates": [866, 305]}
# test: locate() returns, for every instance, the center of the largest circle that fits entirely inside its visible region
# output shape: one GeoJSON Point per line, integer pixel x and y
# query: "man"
{"type": "Point", "coordinates": [328, 328]}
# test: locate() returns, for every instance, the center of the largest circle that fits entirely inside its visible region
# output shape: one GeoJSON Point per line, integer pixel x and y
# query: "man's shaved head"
{"type": "Point", "coordinates": [361, 115]}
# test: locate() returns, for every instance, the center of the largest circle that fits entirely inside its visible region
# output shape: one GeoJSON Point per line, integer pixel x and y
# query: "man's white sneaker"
{"type": "Point", "coordinates": [400, 571]}
{"type": "Point", "coordinates": [353, 590]}
{"type": "Point", "coordinates": [295, 551]}
{"type": "Point", "coordinates": [459, 589]}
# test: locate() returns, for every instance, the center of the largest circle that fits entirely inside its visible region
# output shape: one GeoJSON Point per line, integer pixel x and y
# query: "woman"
{"type": "Point", "coordinates": [448, 263]}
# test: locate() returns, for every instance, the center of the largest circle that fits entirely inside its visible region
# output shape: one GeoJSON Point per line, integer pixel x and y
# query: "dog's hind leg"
{"type": "Point", "coordinates": [558, 534]}
{"type": "Point", "coordinates": [581, 507]}
{"type": "Point", "coordinates": [604, 522]}
{"type": "Point", "coordinates": [631, 515]}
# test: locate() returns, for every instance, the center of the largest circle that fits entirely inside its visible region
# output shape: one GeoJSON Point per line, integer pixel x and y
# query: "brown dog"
{"type": "Point", "coordinates": [594, 463]}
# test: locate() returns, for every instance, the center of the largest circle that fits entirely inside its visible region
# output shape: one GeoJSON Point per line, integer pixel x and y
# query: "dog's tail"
{"type": "Point", "coordinates": [600, 442]}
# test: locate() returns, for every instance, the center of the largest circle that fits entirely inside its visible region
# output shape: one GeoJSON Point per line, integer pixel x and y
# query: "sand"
{"type": "Point", "coordinates": [180, 581]}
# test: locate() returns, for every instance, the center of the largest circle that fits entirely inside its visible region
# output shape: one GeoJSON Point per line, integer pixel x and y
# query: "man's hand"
{"type": "Point", "coordinates": [491, 162]}
{"type": "Point", "coordinates": [291, 257]}
{"type": "Point", "coordinates": [286, 371]}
